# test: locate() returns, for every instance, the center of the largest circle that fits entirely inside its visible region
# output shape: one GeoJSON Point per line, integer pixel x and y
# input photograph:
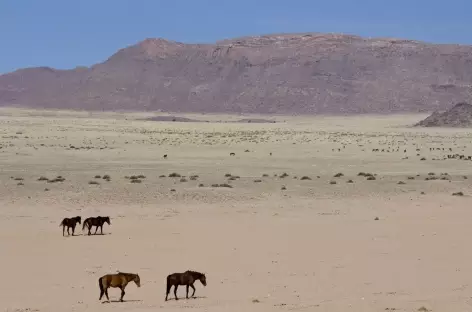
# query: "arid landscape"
{"type": "Point", "coordinates": [309, 214]}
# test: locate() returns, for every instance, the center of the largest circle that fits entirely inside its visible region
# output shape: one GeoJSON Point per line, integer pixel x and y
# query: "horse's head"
{"type": "Point", "coordinates": [107, 220]}
{"type": "Point", "coordinates": [203, 279]}
{"type": "Point", "coordinates": [137, 280]}
{"type": "Point", "coordinates": [79, 219]}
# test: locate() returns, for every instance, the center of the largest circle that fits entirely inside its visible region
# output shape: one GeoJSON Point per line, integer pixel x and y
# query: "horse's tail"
{"type": "Point", "coordinates": [84, 224]}
{"type": "Point", "coordinates": [168, 283]}
{"type": "Point", "coordinates": [62, 222]}
{"type": "Point", "coordinates": [100, 284]}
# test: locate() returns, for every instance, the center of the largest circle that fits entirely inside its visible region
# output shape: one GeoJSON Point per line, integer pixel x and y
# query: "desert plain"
{"type": "Point", "coordinates": [286, 231]}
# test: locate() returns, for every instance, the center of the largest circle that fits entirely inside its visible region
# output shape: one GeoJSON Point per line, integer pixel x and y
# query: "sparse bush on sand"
{"type": "Point", "coordinates": [350, 181]}
{"type": "Point", "coordinates": [136, 181]}
{"type": "Point", "coordinates": [98, 176]}
{"type": "Point", "coordinates": [458, 194]}
{"type": "Point", "coordinates": [183, 180]}
{"type": "Point", "coordinates": [284, 175]}
{"type": "Point", "coordinates": [305, 178]}
{"type": "Point", "coordinates": [174, 175]}
{"type": "Point", "coordinates": [338, 175]}
{"type": "Point", "coordinates": [194, 177]}
{"type": "Point", "coordinates": [257, 181]}
{"type": "Point", "coordinates": [93, 182]}
{"type": "Point", "coordinates": [333, 182]}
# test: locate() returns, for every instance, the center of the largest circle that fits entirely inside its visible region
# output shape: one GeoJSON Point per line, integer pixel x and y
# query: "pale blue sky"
{"type": "Point", "coordinates": [67, 33]}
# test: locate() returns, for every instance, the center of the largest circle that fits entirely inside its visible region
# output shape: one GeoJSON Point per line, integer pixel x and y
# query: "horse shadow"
{"type": "Point", "coordinates": [190, 298]}
{"type": "Point", "coordinates": [124, 301]}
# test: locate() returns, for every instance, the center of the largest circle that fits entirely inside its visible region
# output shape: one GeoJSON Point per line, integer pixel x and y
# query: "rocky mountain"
{"type": "Point", "coordinates": [459, 116]}
{"type": "Point", "coordinates": [287, 74]}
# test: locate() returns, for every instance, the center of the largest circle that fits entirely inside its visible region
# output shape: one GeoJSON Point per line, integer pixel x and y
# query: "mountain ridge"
{"type": "Point", "coordinates": [307, 73]}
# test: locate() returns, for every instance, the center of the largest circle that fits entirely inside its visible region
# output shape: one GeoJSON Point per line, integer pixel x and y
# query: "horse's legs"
{"type": "Point", "coordinates": [63, 230]}
{"type": "Point", "coordinates": [96, 229]}
{"type": "Point", "coordinates": [193, 290]}
{"type": "Point", "coordinates": [73, 230]}
{"type": "Point", "coordinates": [68, 233]}
{"type": "Point", "coordinates": [187, 292]}
{"type": "Point", "coordinates": [122, 293]}
{"type": "Point", "coordinates": [89, 226]}
{"type": "Point", "coordinates": [101, 229]}
{"type": "Point", "coordinates": [106, 294]}
{"type": "Point", "coordinates": [175, 292]}
{"type": "Point", "coordinates": [102, 292]}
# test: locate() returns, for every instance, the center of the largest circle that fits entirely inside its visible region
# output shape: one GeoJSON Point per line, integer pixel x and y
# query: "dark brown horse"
{"type": "Point", "coordinates": [70, 223]}
{"type": "Point", "coordinates": [118, 280]}
{"type": "Point", "coordinates": [187, 278]}
{"type": "Point", "coordinates": [97, 222]}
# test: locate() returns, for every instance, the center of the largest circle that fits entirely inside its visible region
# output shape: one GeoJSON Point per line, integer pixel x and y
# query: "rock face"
{"type": "Point", "coordinates": [460, 116]}
{"type": "Point", "coordinates": [287, 74]}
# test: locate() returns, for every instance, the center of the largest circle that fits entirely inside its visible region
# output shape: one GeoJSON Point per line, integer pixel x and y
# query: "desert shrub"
{"type": "Point", "coordinates": [201, 185]}
{"type": "Point", "coordinates": [227, 175]}
{"type": "Point", "coordinates": [305, 178]}
{"type": "Point", "coordinates": [98, 176]}
{"type": "Point", "coordinates": [172, 190]}
{"type": "Point", "coordinates": [361, 174]}
{"type": "Point", "coordinates": [401, 182]}
{"type": "Point", "coordinates": [265, 175]}
{"type": "Point", "coordinates": [431, 173]}
{"type": "Point", "coordinates": [20, 183]}
{"type": "Point", "coordinates": [350, 181]}
{"type": "Point", "coordinates": [93, 182]}
{"type": "Point", "coordinates": [458, 194]}
{"type": "Point", "coordinates": [371, 178]}
{"type": "Point", "coordinates": [183, 180]}
{"type": "Point", "coordinates": [18, 179]}
{"type": "Point", "coordinates": [174, 175]}
{"type": "Point", "coordinates": [141, 176]}
{"type": "Point", "coordinates": [215, 185]}
{"type": "Point", "coordinates": [225, 185]}
{"type": "Point", "coordinates": [423, 158]}
{"type": "Point", "coordinates": [332, 182]}
{"type": "Point", "coordinates": [411, 178]}
{"type": "Point", "coordinates": [162, 176]}
{"type": "Point", "coordinates": [338, 175]}
{"type": "Point", "coordinates": [284, 175]}
{"type": "Point", "coordinates": [106, 177]}
{"type": "Point", "coordinates": [136, 181]}
{"type": "Point", "coordinates": [42, 178]}
{"type": "Point", "coordinates": [283, 188]}
{"type": "Point", "coordinates": [193, 177]}
{"type": "Point", "coordinates": [257, 181]}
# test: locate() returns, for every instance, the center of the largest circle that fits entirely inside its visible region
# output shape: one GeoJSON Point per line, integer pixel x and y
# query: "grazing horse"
{"type": "Point", "coordinates": [97, 222]}
{"type": "Point", "coordinates": [118, 280]}
{"type": "Point", "coordinates": [70, 223]}
{"type": "Point", "coordinates": [187, 278]}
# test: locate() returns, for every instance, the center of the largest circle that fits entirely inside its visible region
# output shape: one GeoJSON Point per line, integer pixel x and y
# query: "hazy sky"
{"type": "Point", "coordinates": [67, 33]}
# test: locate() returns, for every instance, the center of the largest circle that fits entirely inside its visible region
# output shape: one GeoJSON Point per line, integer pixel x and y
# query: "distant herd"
{"type": "Point", "coordinates": [121, 279]}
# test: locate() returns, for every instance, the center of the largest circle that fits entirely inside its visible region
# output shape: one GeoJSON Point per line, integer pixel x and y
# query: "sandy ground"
{"type": "Point", "coordinates": [313, 246]}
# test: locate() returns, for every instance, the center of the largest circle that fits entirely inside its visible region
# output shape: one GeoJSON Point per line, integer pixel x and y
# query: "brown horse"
{"type": "Point", "coordinates": [118, 280]}
{"type": "Point", "coordinates": [97, 222]}
{"type": "Point", "coordinates": [187, 278]}
{"type": "Point", "coordinates": [70, 223]}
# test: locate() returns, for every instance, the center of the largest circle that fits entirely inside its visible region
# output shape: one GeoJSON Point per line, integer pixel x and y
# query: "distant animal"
{"type": "Point", "coordinates": [187, 278]}
{"type": "Point", "coordinates": [165, 156]}
{"type": "Point", "coordinates": [118, 280]}
{"type": "Point", "coordinates": [70, 223]}
{"type": "Point", "coordinates": [97, 222]}
{"type": "Point", "coordinates": [232, 154]}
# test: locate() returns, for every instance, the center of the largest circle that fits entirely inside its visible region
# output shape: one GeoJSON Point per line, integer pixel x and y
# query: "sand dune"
{"type": "Point", "coordinates": [270, 242]}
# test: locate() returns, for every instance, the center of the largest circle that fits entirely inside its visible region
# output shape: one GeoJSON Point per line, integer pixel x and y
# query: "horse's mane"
{"type": "Point", "coordinates": [195, 272]}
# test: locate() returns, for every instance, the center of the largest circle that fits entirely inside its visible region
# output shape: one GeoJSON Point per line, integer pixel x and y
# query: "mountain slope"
{"type": "Point", "coordinates": [290, 74]}
{"type": "Point", "coordinates": [459, 116]}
